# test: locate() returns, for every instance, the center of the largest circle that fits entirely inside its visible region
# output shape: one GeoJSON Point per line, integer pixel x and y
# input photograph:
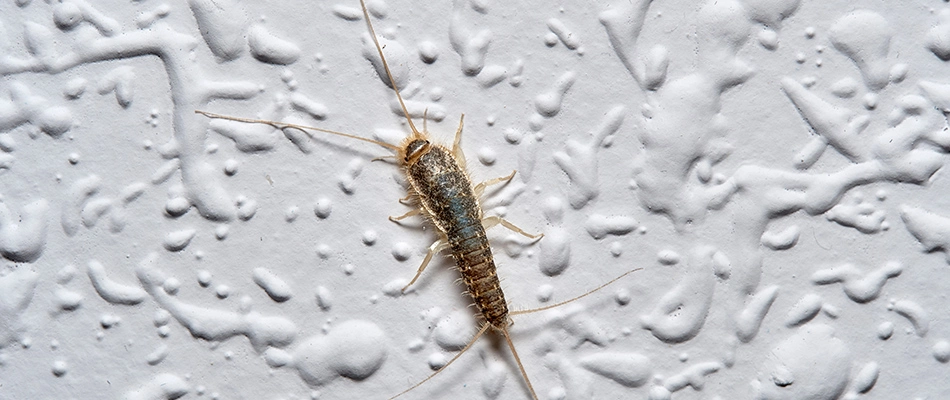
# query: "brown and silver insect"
{"type": "Point", "coordinates": [440, 186]}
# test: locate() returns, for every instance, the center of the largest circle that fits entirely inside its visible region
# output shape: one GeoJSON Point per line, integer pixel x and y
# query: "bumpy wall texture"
{"type": "Point", "coordinates": [775, 167]}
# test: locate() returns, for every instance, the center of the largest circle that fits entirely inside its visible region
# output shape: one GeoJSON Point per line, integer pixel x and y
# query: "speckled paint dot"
{"type": "Point", "coordinates": [616, 249]}
{"type": "Point", "coordinates": [324, 251]}
{"type": "Point", "coordinates": [436, 93]}
{"type": "Point", "coordinates": [898, 72]}
{"type": "Point", "coordinates": [222, 291]}
{"type": "Point", "coordinates": [177, 206]}
{"type": "Point", "coordinates": [204, 278]}
{"type": "Point", "coordinates": [941, 351]}
{"type": "Point", "coordinates": [428, 52]}
{"type": "Point", "coordinates": [369, 237]}
{"type": "Point", "coordinates": [487, 156]}
{"type": "Point", "coordinates": [536, 122]}
{"type": "Point", "coordinates": [870, 101]}
{"type": "Point", "coordinates": [545, 292]}
{"type": "Point", "coordinates": [436, 361]}
{"type": "Point", "coordinates": [668, 257]}
{"type": "Point", "coordinates": [322, 208]}
{"type": "Point", "coordinates": [66, 274]}
{"type": "Point", "coordinates": [161, 318]}
{"type": "Point", "coordinates": [415, 345]}
{"type": "Point", "coordinates": [230, 167]}
{"type": "Point", "coordinates": [768, 38]}
{"type": "Point", "coordinates": [324, 298]}
{"type": "Point", "coordinates": [881, 195]}
{"type": "Point", "coordinates": [108, 321]}
{"type": "Point", "coordinates": [59, 368]}
{"type": "Point", "coordinates": [291, 214]}
{"type": "Point", "coordinates": [885, 330]}
{"type": "Point", "coordinates": [171, 286]}
{"type": "Point", "coordinates": [513, 135]}
{"type": "Point", "coordinates": [401, 251]}
{"type": "Point", "coordinates": [623, 296]}
{"type": "Point", "coordinates": [221, 232]}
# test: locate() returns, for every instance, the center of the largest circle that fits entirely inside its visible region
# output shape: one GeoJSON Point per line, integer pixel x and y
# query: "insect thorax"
{"type": "Point", "coordinates": [444, 191]}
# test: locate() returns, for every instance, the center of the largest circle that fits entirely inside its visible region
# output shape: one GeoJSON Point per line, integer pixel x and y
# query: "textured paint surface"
{"type": "Point", "coordinates": [776, 167]}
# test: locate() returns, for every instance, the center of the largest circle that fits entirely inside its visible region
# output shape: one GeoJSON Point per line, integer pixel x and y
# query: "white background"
{"type": "Point", "coordinates": [723, 298]}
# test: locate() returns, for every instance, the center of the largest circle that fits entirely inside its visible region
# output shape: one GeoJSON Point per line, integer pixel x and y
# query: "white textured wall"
{"type": "Point", "coordinates": [773, 166]}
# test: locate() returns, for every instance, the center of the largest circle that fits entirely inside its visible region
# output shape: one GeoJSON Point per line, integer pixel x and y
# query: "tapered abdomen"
{"type": "Point", "coordinates": [446, 195]}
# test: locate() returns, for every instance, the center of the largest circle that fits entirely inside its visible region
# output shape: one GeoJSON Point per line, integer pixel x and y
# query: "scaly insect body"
{"type": "Point", "coordinates": [447, 198]}
{"type": "Point", "coordinates": [449, 201]}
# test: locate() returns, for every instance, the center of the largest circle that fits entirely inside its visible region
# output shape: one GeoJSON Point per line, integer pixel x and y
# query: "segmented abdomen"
{"type": "Point", "coordinates": [446, 194]}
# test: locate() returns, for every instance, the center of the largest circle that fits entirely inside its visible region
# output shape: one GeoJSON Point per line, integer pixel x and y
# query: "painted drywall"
{"type": "Point", "coordinates": [774, 168]}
